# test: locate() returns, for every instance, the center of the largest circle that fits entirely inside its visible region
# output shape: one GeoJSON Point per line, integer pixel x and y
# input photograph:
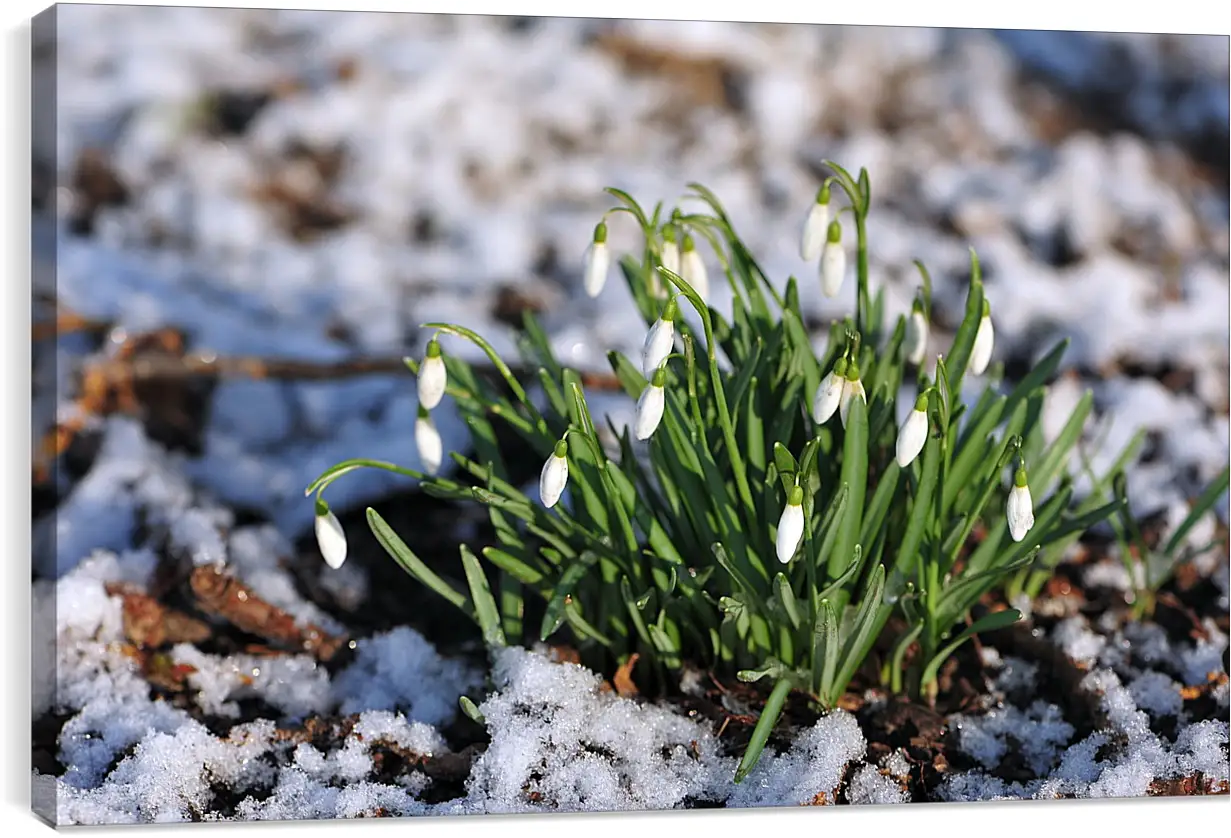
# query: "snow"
{"type": "Point", "coordinates": [391, 671]}
{"type": "Point", "coordinates": [1078, 642]}
{"type": "Point", "coordinates": [475, 140]}
{"type": "Point", "coordinates": [1038, 734]}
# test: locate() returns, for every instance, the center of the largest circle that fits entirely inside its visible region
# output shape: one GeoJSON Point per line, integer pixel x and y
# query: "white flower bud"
{"type": "Point", "coordinates": [660, 340]}
{"type": "Point", "coordinates": [650, 406]}
{"type": "Point", "coordinates": [829, 394]}
{"type": "Point", "coordinates": [914, 432]}
{"type": "Point", "coordinates": [693, 267]}
{"type": "Point", "coordinates": [427, 440]}
{"type": "Point", "coordinates": [554, 476]}
{"type": "Point", "coordinates": [790, 526]}
{"type": "Point", "coordinates": [432, 376]}
{"type": "Point", "coordinates": [833, 262]}
{"type": "Point", "coordinates": [1020, 508]}
{"type": "Point", "coordinates": [852, 388]}
{"type": "Point", "coordinates": [329, 536]}
{"type": "Point", "coordinates": [981, 352]}
{"type": "Point", "coordinates": [916, 338]}
{"type": "Point", "coordinates": [816, 226]}
{"type": "Point", "coordinates": [671, 251]}
{"type": "Point", "coordinates": [598, 262]}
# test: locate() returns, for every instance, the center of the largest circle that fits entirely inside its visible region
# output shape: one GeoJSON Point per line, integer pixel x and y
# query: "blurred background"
{"type": "Point", "coordinates": [219, 188]}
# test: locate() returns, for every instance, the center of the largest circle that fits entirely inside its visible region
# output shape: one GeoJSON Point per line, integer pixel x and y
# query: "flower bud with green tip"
{"type": "Point", "coordinates": [432, 376]}
{"type": "Point", "coordinates": [833, 262]}
{"type": "Point", "coordinates": [554, 476]}
{"type": "Point", "coordinates": [816, 226]}
{"type": "Point", "coordinates": [852, 389]}
{"type": "Point", "coordinates": [916, 339]}
{"type": "Point", "coordinates": [671, 250]}
{"type": "Point", "coordinates": [829, 394]}
{"type": "Point", "coordinates": [598, 261]}
{"type": "Point", "coordinates": [693, 268]}
{"type": "Point", "coordinates": [660, 339]}
{"type": "Point", "coordinates": [650, 405]}
{"type": "Point", "coordinates": [914, 432]}
{"type": "Point", "coordinates": [329, 535]}
{"type": "Point", "coordinates": [790, 526]}
{"type": "Point", "coordinates": [1020, 508]}
{"type": "Point", "coordinates": [427, 440]}
{"type": "Point", "coordinates": [981, 352]}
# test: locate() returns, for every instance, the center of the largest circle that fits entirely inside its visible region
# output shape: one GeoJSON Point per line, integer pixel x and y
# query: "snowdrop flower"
{"type": "Point", "coordinates": [329, 535]}
{"type": "Point", "coordinates": [852, 388]}
{"type": "Point", "coordinates": [427, 440]}
{"type": "Point", "coordinates": [650, 406]}
{"type": "Point", "coordinates": [554, 475]}
{"type": "Point", "coordinates": [916, 341]}
{"type": "Point", "coordinates": [833, 262]}
{"type": "Point", "coordinates": [598, 261]}
{"type": "Point", "coordinates": [829, 394]}
{"type": "Point", "coordinates": [914, 432]}
{"type": "Point", "coordinates": [1020, 508]}
{"type": "Point", "coordinates": [815, 226]}
{"type": "Point", "coordinates": [693, 267]}
{"type": "Point", "coordinates": [671, 251]}
{"type": "Point", "coordinates": [432, 376]}
{"type": "Point", "coordinates": [790, 526]}
{"type": "Point", "coordinates": [660, 340]}
{"type": "Point", "coordinates": [981, 352]}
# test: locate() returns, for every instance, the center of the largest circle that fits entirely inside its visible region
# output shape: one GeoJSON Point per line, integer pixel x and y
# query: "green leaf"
{"type": "Point", "coordinates": [411, 563]}
{"type": "Point", "coordinates": [1043, 475]}
{"type": "Point", "coordinates": [964, 341]}
{"type": "Point", "coordinates": [782, 587]}
{"type": "Point", "coordinates": [1201, 506]}
{"type": "Point", "coordinates": [989, 622]}
{"type": "Point", "coordinates": [825, 651]}
{"type": "Point", "coordinates": [855, 478]}
{"type": "Point", "coordinates": [471, 711]}
{"type": "Point", "coordinates": [863, 631]}
{"type": "Point", "coordinates": [878, 509]}
{"type": "Point", "coordinates": [765, 725]}
{"type": "Point", "coordinates": [553, 616]}
{"type": "Point", "coordinates": [519, 569]}
{"type": "Point", "coordinates": [485, 608]}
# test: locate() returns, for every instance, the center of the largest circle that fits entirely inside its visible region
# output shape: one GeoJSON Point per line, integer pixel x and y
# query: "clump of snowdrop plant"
{"type": "Point", "coordinates": [735, 525]}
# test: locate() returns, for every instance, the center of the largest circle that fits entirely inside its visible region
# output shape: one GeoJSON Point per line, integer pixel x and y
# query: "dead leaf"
{"type": "Point", "coordinates": [623, 679]}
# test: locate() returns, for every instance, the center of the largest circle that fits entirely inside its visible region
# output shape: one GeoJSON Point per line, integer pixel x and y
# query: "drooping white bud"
{"type": "Point", "coordinates": [693, 269]}
{"type": "Point", "coordinates": [829, 394]}
{"type": "Point", "coordinates": [790, 526]}
{"type": "Point", "coordinates": [981, 352]}
{"type": "Point", "coordinates": [650, 406]}
{"type": "Point", "coordinates": [915, 341]}
{"type": "Point", "coordinates": [554, 476]}
{"type": "Point", "coordinates": [432, 376]}
{"type": "Point", "coordinates": [914, 432]}
{"type": "Point", "coordinates": [1020, 508]}
{"type": "Point", "coordinates": [851, 389]}
{"type": "Point", "coordinates": [671, 251]}
{"type": "Point", "coordinates": [329, 535]}
{"type": "Point", "coordinates": [816, 226]}
{"type": "Point", "coordinates": [833, 262]}
{"type": "Point", "coordinates": [598, 261]}
{"type": "Point", "coordinates": [427, 440]}
{"type": "Point", "coordinates": [660, 339]}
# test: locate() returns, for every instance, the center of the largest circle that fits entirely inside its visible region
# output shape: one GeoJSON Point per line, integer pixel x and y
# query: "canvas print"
{"type": "Point", "coordinates": [443, 415]}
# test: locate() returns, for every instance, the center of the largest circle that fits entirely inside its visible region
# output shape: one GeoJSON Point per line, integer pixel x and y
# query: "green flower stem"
{"type": "Point", "coordinates": [861, 271]}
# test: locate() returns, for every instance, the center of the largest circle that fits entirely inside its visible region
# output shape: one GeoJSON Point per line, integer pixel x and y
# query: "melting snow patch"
{"type": "Point", "coordinates": [559, 742]}
{"type": "Point", "coordinates": [400, 670]}
{"type": "Point", "coordinates": [812, 767]}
